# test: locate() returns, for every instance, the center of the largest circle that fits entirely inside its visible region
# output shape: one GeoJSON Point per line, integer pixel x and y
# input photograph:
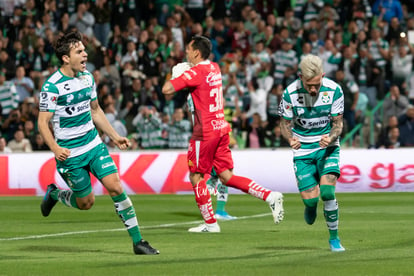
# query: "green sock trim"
{"type": "Point", "coordinates": [120, 197]}
{"type": "Point", "coordinates": [73, 202]}
{"type": "Point", "coordinates": [331, 218]}
{"type": "Point", "coordinates": [327, 192]}
{"type": "Point", "coordinates": [333, 234]}
{"type": "Point", "coordinates": [311, 202]}
{"type": "Point", "coordinates": [135, 234]}
{"type": "Point", "coordinates": [128, 216]}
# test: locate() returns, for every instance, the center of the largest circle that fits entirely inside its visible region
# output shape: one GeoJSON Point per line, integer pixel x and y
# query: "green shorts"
{"type": "Point", "coordinates": [75, 171]}
{"type": "Point", "coordinates": [310, 168]}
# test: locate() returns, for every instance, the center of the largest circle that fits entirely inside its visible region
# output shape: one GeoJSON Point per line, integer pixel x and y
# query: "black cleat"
{"type": "Point", "coordinates": [144, 248]}
{"type": "Point", "coordinates": [48, 202]}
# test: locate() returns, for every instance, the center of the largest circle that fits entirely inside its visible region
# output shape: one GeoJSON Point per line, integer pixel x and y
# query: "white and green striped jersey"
{"type": "Point", "coordinates": [9, 99]}
{"type": "Point", "coordinates": [311, 115]}
{"type": "Point", "coordinates": [273, 104]}
{"type": "Point", "coordinates": [69, 99]}
{"type": "Point", "coordinates": [230, 97]}
{"type": "Point", "coordinates": [179, 134]}
{"type": "Point", "coordinates": [150, 131]}
{"type": "Point", "coordinates": [375, 50]}
{"type": "Point", "coordinates": [282, 61]}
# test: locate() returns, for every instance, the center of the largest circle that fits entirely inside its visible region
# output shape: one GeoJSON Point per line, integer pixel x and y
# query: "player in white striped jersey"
{"type": "Point", "coordinates": [68, 99]}
{"type": "Point", "coordinates": [312, 119]}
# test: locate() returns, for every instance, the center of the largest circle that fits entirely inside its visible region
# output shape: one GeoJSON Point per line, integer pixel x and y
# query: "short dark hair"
{"type": "Point", "coordinates": [66, 42]}
{"type": "Point", "coordinates": [203, 44]}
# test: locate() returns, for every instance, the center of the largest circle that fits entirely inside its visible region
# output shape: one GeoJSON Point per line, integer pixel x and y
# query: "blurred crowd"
{"type": "Point", "coordinates": [366, 46]}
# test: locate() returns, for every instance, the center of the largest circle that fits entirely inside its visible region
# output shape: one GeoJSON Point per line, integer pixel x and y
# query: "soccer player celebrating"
{"type": "Point", "coordinates": [68, 99]}
{"type": "Point", "coordinates": [209, 143]}
{"type": "Point", "coordinates": [312, 108]}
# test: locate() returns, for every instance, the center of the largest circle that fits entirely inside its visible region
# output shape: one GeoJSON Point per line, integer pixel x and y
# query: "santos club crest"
{"type": "Point", "coordinates": [325, 97]}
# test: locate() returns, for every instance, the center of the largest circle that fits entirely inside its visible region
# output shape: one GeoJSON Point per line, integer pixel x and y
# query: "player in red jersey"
{"type": "Point", "coordinates": [209, 144]}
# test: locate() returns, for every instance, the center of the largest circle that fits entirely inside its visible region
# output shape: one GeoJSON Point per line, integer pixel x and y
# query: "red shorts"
{"type": "Point", "coordinates": [203, 155]}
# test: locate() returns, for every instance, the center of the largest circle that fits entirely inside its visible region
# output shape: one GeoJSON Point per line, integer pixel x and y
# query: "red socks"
{"type": "Point", "coordinates": [248, 186]}
{"type": "Point", "coordinates": [203, 199]}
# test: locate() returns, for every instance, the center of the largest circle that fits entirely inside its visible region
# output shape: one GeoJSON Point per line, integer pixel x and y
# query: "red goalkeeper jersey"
{"type": "Point", "coordinates": [205, 99]}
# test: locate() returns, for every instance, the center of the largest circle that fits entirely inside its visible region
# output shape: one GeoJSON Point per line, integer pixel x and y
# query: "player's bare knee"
{"type": "Point", "coordinates": [115, 190]}
{"type": "Point", "coordinates": [86, 205]}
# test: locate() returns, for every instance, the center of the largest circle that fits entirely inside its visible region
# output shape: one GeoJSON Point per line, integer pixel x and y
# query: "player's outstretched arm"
{"type": "Point", "coordinates": [100, 120]}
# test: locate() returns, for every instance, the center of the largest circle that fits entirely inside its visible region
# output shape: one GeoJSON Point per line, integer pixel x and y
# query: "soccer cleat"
{"type": "Point", "coordinates": [48, 202]}
{"type": "Point", "coordinates": [223, 215]}
{"type": "Point", "coordinates": [276, 205]}
{"type": "Point", "coordinates": [310, 215]}
{"type": "Point", "coordinates": [205, 228]}
{"type": "Point", "coordinates": [336, 245]}
{"type": "Point", "coordinates": [144, 248]}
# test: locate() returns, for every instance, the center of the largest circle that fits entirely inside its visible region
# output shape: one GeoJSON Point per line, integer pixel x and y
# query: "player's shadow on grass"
{"type": "Point", "coordinates": [187, 215]}
{"type": "Point", "coordinates": [65, 249]}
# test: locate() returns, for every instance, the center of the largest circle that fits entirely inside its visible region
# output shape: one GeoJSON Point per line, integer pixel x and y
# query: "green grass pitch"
{"type": "Point", "coordinates": [377, 229]}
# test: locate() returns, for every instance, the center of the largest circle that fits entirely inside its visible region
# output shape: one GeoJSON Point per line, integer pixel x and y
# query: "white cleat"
{"type": "Point", "coordinates": [276, 205]}
{"type": "Point", "coordinates": [205, 228]}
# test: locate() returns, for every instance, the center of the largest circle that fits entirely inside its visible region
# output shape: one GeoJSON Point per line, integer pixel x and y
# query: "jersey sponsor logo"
{"type": "Point", "coordinates": [300, 99]}
{"type": "Point", "coordinates": [70, 110]}
{"type": "Point", "coordinates": [82, 107]}
{"type": "Point", "coordinates": [66, 87]}
{"type": "Point", "coordinates": [312, 123]}
{"type": "Point", "coordinates": [69, 98]}
{"type": "Point", "coordinates": [218, 124]}
{"type": "Point", "coordinates": [213, 79]}
{"type": "Point", "coordinates": [319, 123]}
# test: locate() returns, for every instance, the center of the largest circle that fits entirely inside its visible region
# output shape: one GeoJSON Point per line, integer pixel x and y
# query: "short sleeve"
{"type": "Point", "coordinates": [48, 97]}
{"type": "Point", "coordinates": [338, 102]}
{"type": "Point", "coordinates": [285, 107]}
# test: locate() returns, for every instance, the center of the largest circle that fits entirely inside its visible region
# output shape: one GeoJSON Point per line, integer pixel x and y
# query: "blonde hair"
{"type": "Point", "coordinates": [311, 66]}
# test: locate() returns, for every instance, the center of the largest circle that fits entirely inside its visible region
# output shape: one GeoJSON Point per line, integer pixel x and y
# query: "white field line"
{"type": "Point", "coordinates": [167, 225]}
